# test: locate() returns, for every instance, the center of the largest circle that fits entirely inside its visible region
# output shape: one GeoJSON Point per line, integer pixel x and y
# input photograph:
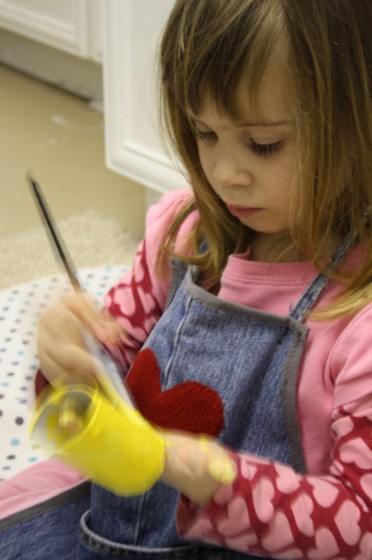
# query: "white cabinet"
{"type": "Point", "coordinates": [56, 41]}
{"type": "Point", "coordinates": [132, 30]}
{"type": "Point", "coordinates": [96, 30]}
{"type": "Point", "coordinates": [63, 25]}
{"type": "Point", "coordinates": [73, 26]}
{"type": "Point", "coordinates": [128, 33]}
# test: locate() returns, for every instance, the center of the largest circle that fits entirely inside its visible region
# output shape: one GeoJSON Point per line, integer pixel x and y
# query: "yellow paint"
{"type": "Point", "coordinates": [112, 445]}
{"type": "Point", "coordinates": [223, 470]}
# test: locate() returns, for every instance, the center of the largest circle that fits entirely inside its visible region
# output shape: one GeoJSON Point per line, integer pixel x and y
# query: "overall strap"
{"type": "Point", "coordinates": [178, 272]}
{"type": "Point", "coordinates": [315, 289]}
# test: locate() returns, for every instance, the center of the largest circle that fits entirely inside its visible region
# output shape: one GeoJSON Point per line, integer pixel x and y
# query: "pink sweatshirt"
{"type": "Point", "coordinates": [270, 510]}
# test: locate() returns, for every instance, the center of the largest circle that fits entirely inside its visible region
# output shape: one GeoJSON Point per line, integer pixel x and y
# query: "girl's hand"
{"type": "Point", "coordinates": [196, 466]}
{"type": "Point", "coordinates": [63, 353]}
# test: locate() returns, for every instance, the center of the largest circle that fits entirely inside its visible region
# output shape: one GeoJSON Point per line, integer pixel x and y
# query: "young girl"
{"type": "Point", "coordinates": [247, 315]}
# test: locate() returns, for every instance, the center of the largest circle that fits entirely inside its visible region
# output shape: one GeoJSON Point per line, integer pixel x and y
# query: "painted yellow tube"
{"type": "Point", "coordinates": [112, 445]}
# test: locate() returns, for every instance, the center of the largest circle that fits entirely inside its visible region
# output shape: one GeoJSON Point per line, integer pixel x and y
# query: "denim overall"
{"type": "Point", "coordinates": [250, 359]}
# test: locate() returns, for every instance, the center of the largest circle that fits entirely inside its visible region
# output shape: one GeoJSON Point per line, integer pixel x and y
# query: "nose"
{"type": "Point", "coordinates": [231, 168]}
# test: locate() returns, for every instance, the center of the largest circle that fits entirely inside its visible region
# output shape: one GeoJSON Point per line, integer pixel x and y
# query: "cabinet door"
{"type": "Point", "coordinates": [60, 24]}
{"type": "Point", "coordinates": [96, 32]}
{"type": "Point", "coordinates": [132, 29]}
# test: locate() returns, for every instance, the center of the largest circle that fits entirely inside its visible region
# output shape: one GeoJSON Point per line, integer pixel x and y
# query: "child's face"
{"type": "Point", "coordinates": [250, 164]}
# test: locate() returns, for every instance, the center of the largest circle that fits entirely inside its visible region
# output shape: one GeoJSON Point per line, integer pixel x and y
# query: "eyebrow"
{"type": "Point", "coordinates": [264, 124]}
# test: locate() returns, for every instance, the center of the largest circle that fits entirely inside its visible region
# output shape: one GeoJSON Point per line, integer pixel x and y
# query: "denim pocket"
{"type": "Point", "coordinates": [94, 547]}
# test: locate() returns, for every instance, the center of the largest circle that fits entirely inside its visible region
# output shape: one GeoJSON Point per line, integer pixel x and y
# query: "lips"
{"type": "Point", "coordinates": [242, 211]}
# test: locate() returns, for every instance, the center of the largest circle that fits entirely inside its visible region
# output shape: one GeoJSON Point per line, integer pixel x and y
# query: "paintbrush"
{"type": "Point", "coordinates": [108, 372]}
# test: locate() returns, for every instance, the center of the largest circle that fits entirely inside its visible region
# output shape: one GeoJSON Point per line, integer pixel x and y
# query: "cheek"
{"type": "Point", "coordinates": [284, 175]}
{"type": "Point", "coordinates": [279, 188]}
{"type": "Point", "coordinates": [279, 177]}
{"type": "Point", "coordinates": [286, 165]}
{"type": "Point", "coordinates": [206, 162]}
{"type": "Point", "coordinates": [204, 155]}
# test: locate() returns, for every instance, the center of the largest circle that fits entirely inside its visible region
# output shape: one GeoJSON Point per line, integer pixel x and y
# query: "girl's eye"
{"type": "Point", "coordinates": [204, 136]}
{"type": "Point", "coordinates": [259, 149]}
{"type": "Point", "coordinates": [265, 149]}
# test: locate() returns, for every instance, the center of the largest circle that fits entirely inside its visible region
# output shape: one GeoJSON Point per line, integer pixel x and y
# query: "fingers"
{"type": "Point", "coordinates": [106, 329]}
{"type": "Point", "coordinates": [76, 366]}
{"type": "Point", "coordinates": [196, 466]}
{"type": "Point", "coordinates": [62, 349]}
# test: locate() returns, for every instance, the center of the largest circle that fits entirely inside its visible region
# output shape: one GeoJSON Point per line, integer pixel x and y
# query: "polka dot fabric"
{"type": "Point", "coordinates": [20, 309]}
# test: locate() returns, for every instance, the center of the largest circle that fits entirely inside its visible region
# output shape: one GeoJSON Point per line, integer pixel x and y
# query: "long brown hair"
{"type": "Point", "coordinates": [211, 45]}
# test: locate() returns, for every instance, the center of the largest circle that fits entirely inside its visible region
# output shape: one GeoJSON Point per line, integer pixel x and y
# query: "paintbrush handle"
{"type": "Point", "coordinates": [108, 372]}
{"type": "Point", "coordinates": [59, 249]}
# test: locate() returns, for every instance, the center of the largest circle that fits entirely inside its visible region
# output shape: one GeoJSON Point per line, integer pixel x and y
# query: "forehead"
{"type": "Point", "coordinates": [274, 95]}
{"type": "Point", "coordinates": [271, 101]}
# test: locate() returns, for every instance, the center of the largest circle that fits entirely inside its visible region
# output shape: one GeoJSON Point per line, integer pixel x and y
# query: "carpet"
{"type": "Point", "coordinates": [92, 240]}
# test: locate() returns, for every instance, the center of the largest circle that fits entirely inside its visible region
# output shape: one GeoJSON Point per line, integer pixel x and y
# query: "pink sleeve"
{"type": "Point", "coordinates": [35, 485]}
{"type": "Point", "coordinates": [138, 300]}
{"type": "Point", "coordinates": [271, 510]}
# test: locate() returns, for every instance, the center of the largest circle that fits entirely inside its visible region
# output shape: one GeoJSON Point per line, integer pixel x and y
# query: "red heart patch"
{"type": "Point", "coordinates": [189, 406]}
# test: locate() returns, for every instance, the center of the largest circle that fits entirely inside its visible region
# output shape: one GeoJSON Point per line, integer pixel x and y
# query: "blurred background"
{"type": "Point", "coordinates": [79, 112]}
{"type": "Point", "coordinates": [59, 138]}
